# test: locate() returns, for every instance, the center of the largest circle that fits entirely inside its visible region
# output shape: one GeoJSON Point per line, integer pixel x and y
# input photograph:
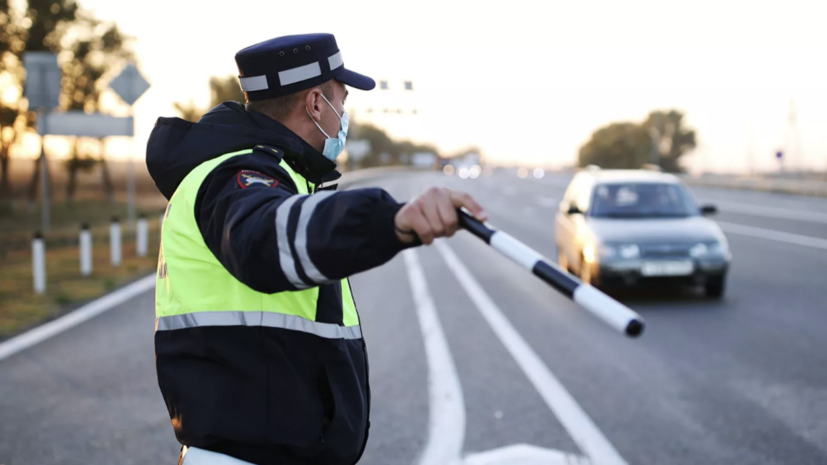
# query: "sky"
{"type": "Point", "coordinates": [526, 81]}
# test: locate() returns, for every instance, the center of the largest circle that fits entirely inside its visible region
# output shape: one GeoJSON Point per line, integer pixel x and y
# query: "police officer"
{"type": "Point", "coordinates": [259, 352]}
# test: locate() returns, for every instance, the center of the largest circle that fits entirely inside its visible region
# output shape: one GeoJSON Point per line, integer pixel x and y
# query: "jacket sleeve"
{"type": "Point", "coordinates": [272, 239]}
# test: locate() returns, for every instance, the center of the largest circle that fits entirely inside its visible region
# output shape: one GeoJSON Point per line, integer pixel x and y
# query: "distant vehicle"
{"type": "Point", "coordinates": [619, 228]}
{"type": "Point", "coordinates": [467, 166]}
{"type": "Point", "coordinates": [424, 160]}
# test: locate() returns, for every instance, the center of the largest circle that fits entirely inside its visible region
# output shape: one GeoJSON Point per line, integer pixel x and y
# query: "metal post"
{"type": "Point", "coordinates": [130, 193]}
{"type": "Point", "coordinates": [85, 250]}
{"type": "Point", "coordinates": [142, 236]}
{"type": "Point", "coordinates": [45, 207]}
{"type": "Point", "coordinates": [39, 263]}
{"type": "Point", "coordinates": [115, 241]}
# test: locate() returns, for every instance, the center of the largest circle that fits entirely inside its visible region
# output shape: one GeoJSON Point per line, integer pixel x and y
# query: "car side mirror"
{"type": "Point", "coordinates": [707, 210]}
{"type": "Point", "coordinates": [573, 210]}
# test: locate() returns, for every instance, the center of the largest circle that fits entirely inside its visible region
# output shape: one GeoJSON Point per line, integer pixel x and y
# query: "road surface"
{"type": "Point", "coordinates": [737, 381]}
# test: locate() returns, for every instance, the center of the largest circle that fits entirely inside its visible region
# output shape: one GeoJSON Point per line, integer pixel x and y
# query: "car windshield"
{"type": "Point", "coordinates": [642, 200]}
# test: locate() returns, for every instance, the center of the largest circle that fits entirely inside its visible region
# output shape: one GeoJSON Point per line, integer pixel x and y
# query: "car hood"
{"type": "Point", "coordinates": [691, 229]}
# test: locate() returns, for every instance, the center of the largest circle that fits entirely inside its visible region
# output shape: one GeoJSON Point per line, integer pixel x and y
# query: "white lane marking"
{"type": "Point", "coordinates": [778, 236]}
{"type": "Point", "coordinates": [84, 313]}
{"type": "Point", "coordinates": [548, 202]}
{"type": "Point", "coordinates": [578, 424]}
{"type": "Point", "coordinates": [524, 454]}
{"type": "Point", "coordinates": [446, 429]}
{"type": "Point", "coordinates": [770, 212]}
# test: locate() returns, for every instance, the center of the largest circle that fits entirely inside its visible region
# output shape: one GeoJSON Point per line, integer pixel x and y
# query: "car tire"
{"type": "Point", "coordinates": [715, 287]}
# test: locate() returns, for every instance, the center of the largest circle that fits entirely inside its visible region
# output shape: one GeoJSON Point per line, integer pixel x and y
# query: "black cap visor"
{"type": "Point", "coordinates": [356, 80]}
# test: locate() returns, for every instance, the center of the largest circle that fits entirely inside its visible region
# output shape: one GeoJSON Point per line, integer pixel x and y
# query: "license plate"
{"type": "Point", "coordinates": [675, 268]}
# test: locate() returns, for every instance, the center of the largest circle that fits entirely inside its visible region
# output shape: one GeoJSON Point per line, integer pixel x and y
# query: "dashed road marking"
{"type": "Point", "coordinates": [773, 235]}
{"type": "Point", "coordinates": [771, 212]}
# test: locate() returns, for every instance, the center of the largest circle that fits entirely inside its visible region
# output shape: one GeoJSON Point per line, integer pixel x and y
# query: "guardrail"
{"type": "Point", "coordinates": [808, 187]}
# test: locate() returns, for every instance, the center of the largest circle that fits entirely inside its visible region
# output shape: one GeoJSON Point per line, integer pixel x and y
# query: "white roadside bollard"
{"type": "Point", "coordinates": [142, 239]}
{"type": "Point", "coordinates": [115, 241]}
{"type": "Point", "coordinates": [39, 263]}
{"type": "Point", "coordinates": [85, 250]}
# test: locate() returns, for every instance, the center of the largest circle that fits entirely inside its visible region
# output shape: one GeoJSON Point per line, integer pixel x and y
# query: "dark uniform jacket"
{"type": "Point", "coordinates": [268, 395]}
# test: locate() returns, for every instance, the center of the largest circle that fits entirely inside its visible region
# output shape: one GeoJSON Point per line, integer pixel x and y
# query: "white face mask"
{"type": "Point", "coordinates": [333, 147]}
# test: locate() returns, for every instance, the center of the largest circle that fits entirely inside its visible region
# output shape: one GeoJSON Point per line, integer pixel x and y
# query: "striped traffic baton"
{"type": "Point", "coordinates": [614, 313]}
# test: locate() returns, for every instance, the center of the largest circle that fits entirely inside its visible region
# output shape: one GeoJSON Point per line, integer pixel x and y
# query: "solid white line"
{"type": "Point", "coordinates": [524, 454]}
{"type": "Point", "coordinates": [771, 212]}
{"type": "Point", "coordinates": [770, 234]}
{"type": "Point", "coordinates": [578, 424]}
{"type": "Point", "coordinates": [446, 430]}
{"type": "Point", "coordinates": [84, 313]}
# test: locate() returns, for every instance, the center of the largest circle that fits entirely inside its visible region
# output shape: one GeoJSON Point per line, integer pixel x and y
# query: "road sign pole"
{"type": "Point", "coordinates": [130, 192]}
{"type": "Point", "coordinates": [42, 89]}
{"type": "Point", "coordinates": [45, 204]}
{"type": "Point", "coordinates": [130, 85]}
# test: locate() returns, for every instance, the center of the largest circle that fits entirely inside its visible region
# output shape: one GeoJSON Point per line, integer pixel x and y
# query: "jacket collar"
{"type": "Point", "coordinates": [301, 156]}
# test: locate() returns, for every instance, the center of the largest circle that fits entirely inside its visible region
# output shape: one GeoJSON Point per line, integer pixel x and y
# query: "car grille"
{"type": "Point", "coordinates": [665, 250]}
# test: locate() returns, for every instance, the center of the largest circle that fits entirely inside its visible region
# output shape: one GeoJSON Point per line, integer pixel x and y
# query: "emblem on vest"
{"type": "Point", "coordinates": [248, 178]}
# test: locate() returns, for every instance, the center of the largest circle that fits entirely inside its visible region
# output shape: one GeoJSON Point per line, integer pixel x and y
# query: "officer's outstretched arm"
{"type": "Point", "coordinates": [272, 239]}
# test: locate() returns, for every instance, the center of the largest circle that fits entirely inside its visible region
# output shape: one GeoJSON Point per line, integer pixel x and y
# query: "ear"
{"type": "Point", "coordinates": [313, 101]}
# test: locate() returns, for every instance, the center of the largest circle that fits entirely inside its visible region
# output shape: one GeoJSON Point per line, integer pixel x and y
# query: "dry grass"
{"type": "Point", "coordinates": [21, 308]}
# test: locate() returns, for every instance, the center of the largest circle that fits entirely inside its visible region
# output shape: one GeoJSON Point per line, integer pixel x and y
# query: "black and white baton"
{"type": "Point", "coordinates": [612, 312]}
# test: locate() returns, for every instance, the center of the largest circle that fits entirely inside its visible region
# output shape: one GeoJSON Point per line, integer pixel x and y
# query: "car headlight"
{"type": "Point", "coordinates": [706, 249]}
{"type": "Point", "coordinates": [698, 250]}
{"type": "Point", "coordinates": [629, 251]}
{"type": "Point", "coordinates": [591, 252]}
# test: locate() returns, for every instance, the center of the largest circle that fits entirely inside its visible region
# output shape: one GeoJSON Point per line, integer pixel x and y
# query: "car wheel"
{"type": "Point", "coordinates": [715, 286]}
{"type": "Point", "coordinates": [562, 261]}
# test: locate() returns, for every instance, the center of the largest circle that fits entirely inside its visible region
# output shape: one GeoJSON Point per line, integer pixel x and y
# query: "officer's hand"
{"type": "Point", "coordinates": [434, 214]}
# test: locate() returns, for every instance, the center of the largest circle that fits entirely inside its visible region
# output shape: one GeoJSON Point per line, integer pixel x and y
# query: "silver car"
{"type": "Point", "coordinates": [618, 228]}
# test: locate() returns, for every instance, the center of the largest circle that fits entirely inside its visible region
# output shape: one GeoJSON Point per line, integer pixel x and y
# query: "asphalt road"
{"type": "Point", "coordinates": [737, 381]}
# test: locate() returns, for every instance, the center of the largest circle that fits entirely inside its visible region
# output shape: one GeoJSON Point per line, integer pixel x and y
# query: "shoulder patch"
{"type": "Point", "coordinates": [248, 178]}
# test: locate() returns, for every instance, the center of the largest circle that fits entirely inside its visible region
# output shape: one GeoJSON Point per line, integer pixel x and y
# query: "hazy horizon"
{"type": "Point", "coordinates": [527, 82]}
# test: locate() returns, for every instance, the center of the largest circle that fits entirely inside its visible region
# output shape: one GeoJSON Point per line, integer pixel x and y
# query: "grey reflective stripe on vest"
{"type": "Point", "coordinates": [253, 318]}
{"type": "Point", "coordinates": [308, 208]}
{"type": "Point", "coordinates": [288, 266]}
